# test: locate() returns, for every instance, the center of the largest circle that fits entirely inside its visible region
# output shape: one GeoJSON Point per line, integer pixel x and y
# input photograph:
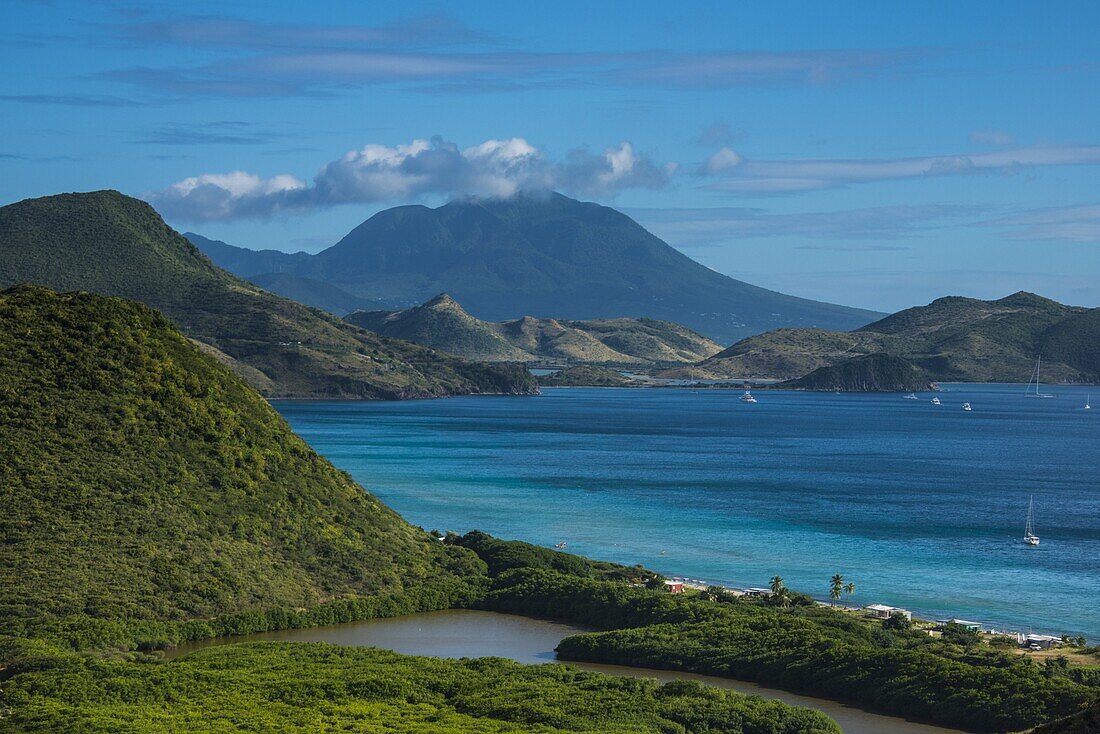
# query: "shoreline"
{"type": "Point", "coordinates": [988, 629]}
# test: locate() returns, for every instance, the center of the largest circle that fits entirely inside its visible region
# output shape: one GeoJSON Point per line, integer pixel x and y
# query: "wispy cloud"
{"type": "Point", "coordinates": [730, 171]}
{"type": "Point", "coordinates": [439, 54]}
{"type": "Point", "coordinates": [715, 226]}
{"type": "Point", "coordinates": [380, 173]}
{"type": "Point", "coordinates": [226, 132]}
{"type": "Point", "coordinates": [991, 137]}
{"type": "Point", "coordinates": [1067, 224]}
{"type": "Point", "coordinates": [235, 33]}
{"type": "Point", "coordinates": [72, 100]}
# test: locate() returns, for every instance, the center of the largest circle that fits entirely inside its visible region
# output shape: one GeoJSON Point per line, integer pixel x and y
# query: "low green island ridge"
{"type": "Point", "coordinates": [155, 498]}
{"type": "Point", "coordinates": [107, 243]}
{"type": "Point", "coordinates": [952, 339]}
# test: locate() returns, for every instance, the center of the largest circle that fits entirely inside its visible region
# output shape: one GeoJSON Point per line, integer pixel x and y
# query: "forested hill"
{"type": "Point", "coordinates": [950, 339]}
{"type": "Point", "coordinates": [143, 480]}
{"type": "Point", "coordinates": [544, 255]}
{"type": "Point", "coordinates": [111, 244]}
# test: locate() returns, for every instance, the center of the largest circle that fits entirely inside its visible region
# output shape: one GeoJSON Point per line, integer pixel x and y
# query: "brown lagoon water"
{"type": "Point", "coordinates": [467, 633]}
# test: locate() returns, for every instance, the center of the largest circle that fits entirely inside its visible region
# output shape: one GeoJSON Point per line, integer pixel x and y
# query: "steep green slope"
{"type": "Point", "coordinates": [442, 323]}
{"type": "Point", "coordinates": [549, 256]}
{"type": "Point", "coordinates": [963, 339]}
{"type": "Point", "coordinates": [143, 480]}
{"type": "Point", "coordinates": [108, 243]}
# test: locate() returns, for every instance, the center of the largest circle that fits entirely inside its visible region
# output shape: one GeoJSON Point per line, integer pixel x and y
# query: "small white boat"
{"type": "Point", "coordinates": [966, 406]}
{"type": "Point", "coordinates": [911, 396]}
{"type": "Point", "coordinates": [935, 401]}
{"type": "Point", "coordinates": [1088, 401]}
{"type": "Point", "coordinates": [560, 545]}
{"type": "Point", "coordinates": [748, 398]}
{"type": "Point", "coordinates": [1029, 532]}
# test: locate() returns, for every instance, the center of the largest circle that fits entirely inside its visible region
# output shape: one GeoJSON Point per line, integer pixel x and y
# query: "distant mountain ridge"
{"type": "Point", "coordinates": [541, 254]}
{"type": "Point", "coordinates": [950, 339]}
{"type": "Point", "coordinates": [111, 244]}
{"type": "Point", "coordinates": [443, 324]}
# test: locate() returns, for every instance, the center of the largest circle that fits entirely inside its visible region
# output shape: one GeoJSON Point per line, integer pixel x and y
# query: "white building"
{"type": "Point", "coordinates": [882, 611]}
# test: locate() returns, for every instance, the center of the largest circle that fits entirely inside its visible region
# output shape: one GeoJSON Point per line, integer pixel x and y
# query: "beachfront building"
{"type": "Point", "coordinates": [756, 591]}
{"type": "Point", "coordinates": [674, 587]}
{"type": "Point", "coordinates": [972, 626]}
{"type": "Point", "coordinates": [1039, 642]}
{"type": "Point", "coordinates": [882, 611]}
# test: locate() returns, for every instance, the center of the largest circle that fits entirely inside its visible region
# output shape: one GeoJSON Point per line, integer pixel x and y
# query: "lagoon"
{"type": "Point", "coordinates": [470, 633]}
{"type": "Point", "coordinates": [921, 506]}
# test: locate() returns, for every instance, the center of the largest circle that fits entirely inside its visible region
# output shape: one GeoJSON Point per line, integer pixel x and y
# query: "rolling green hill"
{"type": "Point", "coordinates": [142, 480]}
{"type": "Point", "coordinates": [111, 244]}
{"type": "Point", "coordinates": [951, 339]}
{"type": "Point", "coordinates": [442, 323]}
{"type": "Point", "coordinates": [542, 254]}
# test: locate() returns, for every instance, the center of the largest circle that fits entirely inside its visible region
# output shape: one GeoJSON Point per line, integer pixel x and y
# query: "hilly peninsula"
{"type": "Point", "coordinates": [951, 339]}
{"type": "Point", "coordinates": [107, 243]}
{"type": "Point", "coordinates": [151, 497]}
{"type": "Point", "coordinates": [443, 324]}
{"type": "Point", "coordinates": [541, 254]}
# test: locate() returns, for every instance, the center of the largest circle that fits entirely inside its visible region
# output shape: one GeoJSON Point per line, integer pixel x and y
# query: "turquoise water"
{"type": "Point", "coordinates": [921, 506]}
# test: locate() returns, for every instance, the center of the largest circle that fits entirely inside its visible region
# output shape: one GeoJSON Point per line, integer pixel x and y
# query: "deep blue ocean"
{"type": "Point", "coordinates": [920, 506]}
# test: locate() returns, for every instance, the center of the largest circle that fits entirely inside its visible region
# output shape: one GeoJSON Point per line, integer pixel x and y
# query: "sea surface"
{"type": "Point", "coordinates": [920, 506]}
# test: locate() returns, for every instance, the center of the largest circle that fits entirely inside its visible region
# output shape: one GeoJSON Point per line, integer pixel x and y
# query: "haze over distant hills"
{"type": "Point", "coordinates": [112, 244]}
{"type": "Point", "coordinates": [442, 323]}
{"type": "Point", "coordinates": [950, 339]}
{"type": "Point", "coordinates": [538, 254]}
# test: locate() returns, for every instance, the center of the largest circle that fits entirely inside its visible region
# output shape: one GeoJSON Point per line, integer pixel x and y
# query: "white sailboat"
{"type": "Point", "coordinates": [1029, 532]}
{"type": "Point", "coordinates": [911, 396]}
{"type": "Point", "coordinates": [1088, 402]}
{"type": "Point", "coordinates": [1035, 380]}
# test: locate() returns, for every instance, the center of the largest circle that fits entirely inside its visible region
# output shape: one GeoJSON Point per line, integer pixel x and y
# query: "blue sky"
{"type": "Point", "coordinates": [879, 155]}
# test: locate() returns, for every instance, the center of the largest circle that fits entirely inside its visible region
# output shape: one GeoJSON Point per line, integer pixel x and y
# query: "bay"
{"type": "Point", "coordinates": [921, 506]}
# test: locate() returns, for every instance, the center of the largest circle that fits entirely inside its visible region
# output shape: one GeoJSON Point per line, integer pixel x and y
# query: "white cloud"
{"type": "Point", "coordinates": [723, 160]}
{"type": "Point", "coordinates": [380, 173]}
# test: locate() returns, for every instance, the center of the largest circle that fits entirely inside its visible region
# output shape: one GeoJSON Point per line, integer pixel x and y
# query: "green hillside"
{"type": "Point", "coordinates": [143, 480]}
{"type": "Point", "coordinates": [950, 339]}
{"type": "Point", "coordinates": [111, 244]}
{"type": "Point", "coordinates": [587, 376]}
{"type": "Point", "coordinates": [443, 324]}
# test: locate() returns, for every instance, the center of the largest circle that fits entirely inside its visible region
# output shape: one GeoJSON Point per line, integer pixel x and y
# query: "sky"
{"type": "Point", "coordinates": [877, 154]}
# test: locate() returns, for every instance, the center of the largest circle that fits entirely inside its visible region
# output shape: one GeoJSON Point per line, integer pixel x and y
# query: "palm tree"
{"type": "Point", "coordinates": [777, 585]}
{"type": "Point", "coordinates": [836, 587]}
{"type": "Point", "coordinates": [849, 588]}
{"type": "Point", "coordinates": [783, 598]}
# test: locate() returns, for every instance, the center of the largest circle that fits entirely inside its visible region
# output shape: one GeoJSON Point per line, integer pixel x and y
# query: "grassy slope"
{"type": "Point", "coordinates": [587, 376]}
{"type": "Point", "coordinates": [111, 244]}
{"type": "Point", "coordinates": [951, 339]}
{"type": "Point", "coordinates": [143, 480]}
{"type": "Point", "coordinates": [442, 323]}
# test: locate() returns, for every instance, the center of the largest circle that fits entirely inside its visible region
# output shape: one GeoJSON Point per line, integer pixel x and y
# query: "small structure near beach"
{"type": "Point", "coordinates": [756, 591]}
{"type": "Point", "coordinates": [965, 624]}
{"type": "Point", "coordinates": [882, 611]}
{"type": "Point", "coordinates": [674, 587]}
{"type": "Point", "coordinates": [1039, 642]}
